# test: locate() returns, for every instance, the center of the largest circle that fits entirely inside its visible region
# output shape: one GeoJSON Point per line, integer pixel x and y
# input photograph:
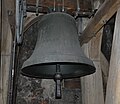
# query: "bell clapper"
{"type": "Point", "coordinates": [58, 79]}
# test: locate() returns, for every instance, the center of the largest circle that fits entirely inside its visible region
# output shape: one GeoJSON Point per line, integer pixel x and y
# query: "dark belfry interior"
{"type": "Point", "coordinates": [59, 51]}
{"type": "Point", "coordinates": [108, 37]}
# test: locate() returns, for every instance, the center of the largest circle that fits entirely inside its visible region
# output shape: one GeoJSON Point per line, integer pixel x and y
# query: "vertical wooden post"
{"type": "Point", "coordinates": [113, 84]}
{"type": "Point", "coordinates": [0, 20]}
{"type": "Point", "coordinates": [92, 85]}
{"type": "Point", "coordinates": [6, 48]}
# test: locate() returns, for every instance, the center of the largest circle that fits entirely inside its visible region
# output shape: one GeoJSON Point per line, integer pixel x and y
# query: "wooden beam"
{"type": "Point", "coordinates": [70, 5]}
{"type": "Point", "coordinates": [6, 49]}
{"type": "Point", "coordinates": [0, 21]}
{"type": "Point", "coordinates": [92, 85]}
{"type": "Point", "coordinates": [113, 84]}
{"type": "Point", "coordinates": [105, 12]}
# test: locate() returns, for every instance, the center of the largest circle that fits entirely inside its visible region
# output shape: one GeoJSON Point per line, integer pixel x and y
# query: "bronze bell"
{"type": "Point", "coordinates": [57, 54]}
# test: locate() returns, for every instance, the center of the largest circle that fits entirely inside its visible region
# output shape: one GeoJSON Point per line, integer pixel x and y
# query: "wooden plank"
{"type": "Point", "coordinates": [105, 12]}
{"type": "Point", "coordinates": [6, 44]}
{"type": "Point", "coordinates": [70, 5]}
{"type": "Point", "coordinates": [92, 85]}
{"type": "Point", "coordinates": [6, 37]}
{"type": "Point", "coordinates": [94, 47]}
{"type": "Point", "coordinates": [0, 17]}
{"type": "Point", "coordinates": [113, 85]}
{"type": "Point", "coordinates": [0, 21]}
{"type": "Point", "coordinates": [4, 78]}
{"type": "Point", "coordinates": [92, 88]}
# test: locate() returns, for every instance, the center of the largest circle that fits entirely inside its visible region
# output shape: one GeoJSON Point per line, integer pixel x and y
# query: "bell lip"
{"type": "Point", "coordinates": [91, 70]}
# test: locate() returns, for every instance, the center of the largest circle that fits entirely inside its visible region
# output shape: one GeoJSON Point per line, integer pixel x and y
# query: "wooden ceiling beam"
{"type": "Point", "coordinates": [85, 5]}
{"type": "Point", "coordinates": [104, 13]}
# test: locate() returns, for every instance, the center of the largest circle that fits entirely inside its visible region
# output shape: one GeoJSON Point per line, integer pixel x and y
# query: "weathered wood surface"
{"type": "Point", "coordinates": [70, 5]}
{"type": "Point", "coordinates": [0, 21]}
{"type": "Point", "coordinates": [92, 85]}
{"type": "Point", "coordinates": [6, 44]}
{"type": "Point", "coordinates": [5, 66]}
{"type": "Point", "coordinates": [104, 13]}
{"type": "Point", "coordinates": [113, 84]}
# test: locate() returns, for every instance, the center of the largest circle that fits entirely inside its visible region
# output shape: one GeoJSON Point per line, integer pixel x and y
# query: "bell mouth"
{"type": "Point", "coordinates": [67, 70]}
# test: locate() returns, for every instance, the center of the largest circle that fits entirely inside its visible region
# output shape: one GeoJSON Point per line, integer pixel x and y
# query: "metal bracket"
{"type": "Point", "coordinates": [20, 15]}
